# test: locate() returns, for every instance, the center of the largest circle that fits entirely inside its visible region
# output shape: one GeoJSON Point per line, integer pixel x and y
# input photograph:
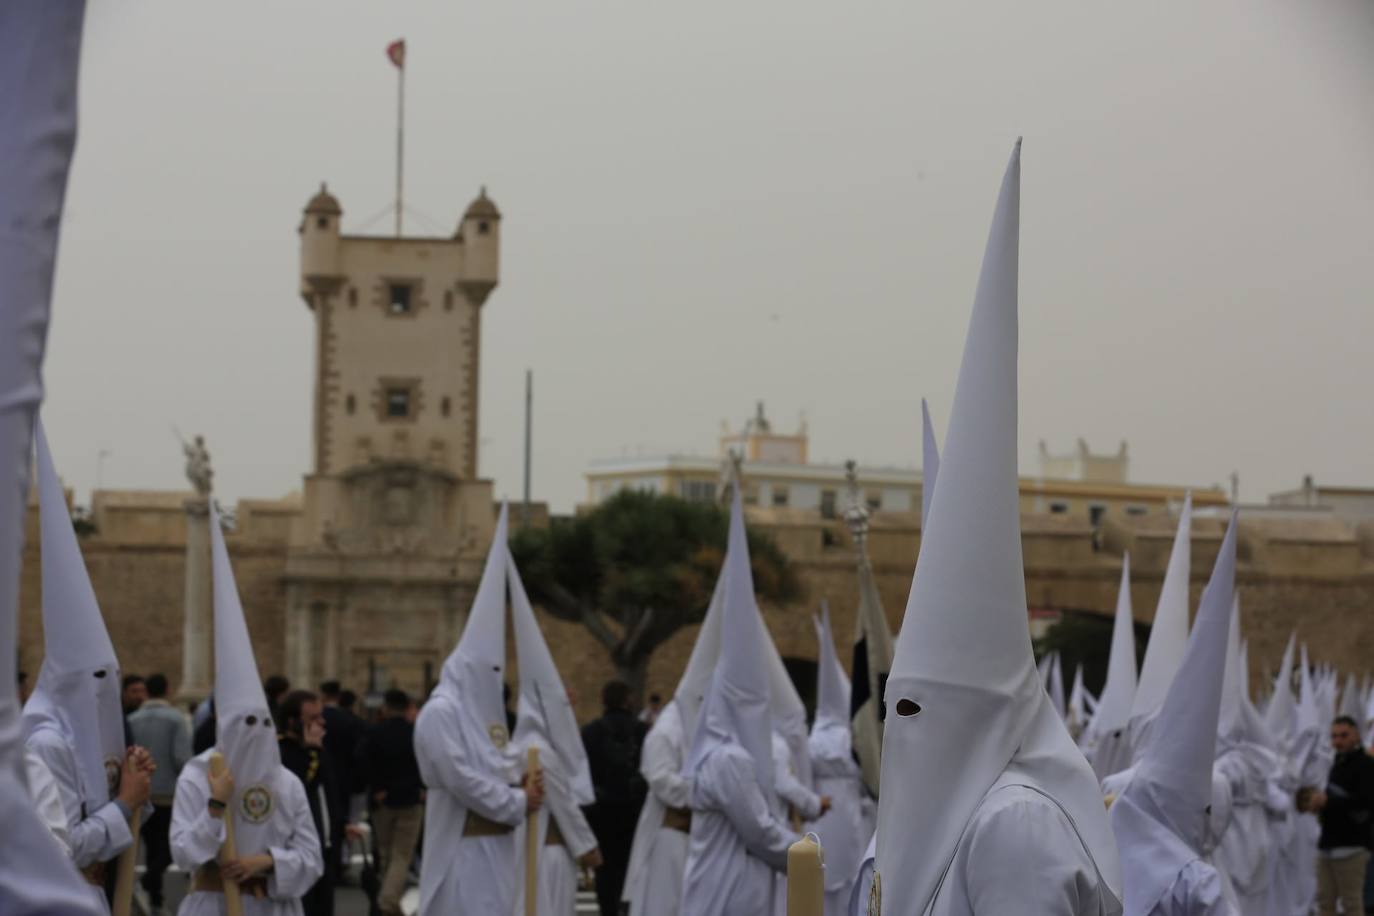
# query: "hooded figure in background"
{"type": "Point", "coordinates": [73, 720]}
{"type": "Point", "coordinates": [1168, 636]}
{"type": "Point", "coordinates": [1162, 816]}
{"type": "Point", "coordinates": [40, 53]}
{"type": "Point", "coordinates": [279, 853]}
{"type": "Point", "coordinates": [1105, 740]}
{"type": "Point", "coordinates": [545, 720]}
{"type": "Point", "coordinates": [658, 857]}
{"type": "Point", "coordinates": [986, 804]}
{"type": "Point", "coordinates": [738, 841]}
{"type": "Point", "coordinates": [475, 799]}
{"type": "Point", "coordinates": [841, 829]}
{"type": "Point", "coordinates": [1248, 762]}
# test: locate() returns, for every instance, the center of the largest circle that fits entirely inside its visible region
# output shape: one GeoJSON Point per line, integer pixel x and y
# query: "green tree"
{"type": "Point", "coordinates": [1084, 638]}
{"type": "Point", "coordinates": [636, 569]}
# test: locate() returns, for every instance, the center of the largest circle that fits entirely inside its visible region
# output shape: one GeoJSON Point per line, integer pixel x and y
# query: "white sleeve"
{"type": "Point", "coordinates": [741, 800]}
{"type": "Point", "coordinates": [444, 762]}
{"type": "Point", "coordinates": [572, 823]}
{"type": "Point", "coordinates": [1041, 865]}
{"type": "Point", "coordinates": [1198, 892]}
{"type": "Point", "coordinates": [104, 833]}
{"type": "Point", "coordinates": [47, 799]}
{"type": "Point", "coordinates": [298, 863]}
{"type": "Point", "coordinates": [661, 766]}
{"type": "Point", "coordinates": [195, 836]}
{"type": "Point", "coordinates": [789, 788]}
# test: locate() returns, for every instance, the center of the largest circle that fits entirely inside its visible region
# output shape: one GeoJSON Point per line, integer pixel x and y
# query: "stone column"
{"type": "Point", "coordinates": [197, 662]}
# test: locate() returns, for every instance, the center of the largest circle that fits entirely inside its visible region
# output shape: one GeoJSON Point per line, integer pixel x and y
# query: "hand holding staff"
{"type": "Point", "coordinates": [134, 785]}
{"type": "Point", "coordinates": [223, 780]}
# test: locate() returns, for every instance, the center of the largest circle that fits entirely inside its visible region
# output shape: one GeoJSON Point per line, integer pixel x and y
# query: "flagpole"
{"type": "Point", "coordinates": [400, 137]}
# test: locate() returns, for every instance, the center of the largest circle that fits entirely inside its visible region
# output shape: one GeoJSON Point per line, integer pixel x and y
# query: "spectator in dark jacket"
{"type": "Point", "coordinates": [166, 733]}
{"type": "Point", "coordinates": [613, 743]}
{"type": "Point", "coordinates": [386, 759]}
{"type": "Point", "coordinates": [1345, 809]}
{"type": "Point", "coordinates": [300, 724]}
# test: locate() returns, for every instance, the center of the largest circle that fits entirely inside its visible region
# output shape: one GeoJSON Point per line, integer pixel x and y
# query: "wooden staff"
{"type": "Point", "coordinates": [233, 896]}
{"type": "Point", "coordinates": [124, 875]}
{"type": "Point", "coordinates": [805, 878]}
{"type": "Point", "coordinates": [532, 840]}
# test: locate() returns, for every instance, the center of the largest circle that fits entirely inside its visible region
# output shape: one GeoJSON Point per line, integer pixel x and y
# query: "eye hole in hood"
{"type": "Point", "coordinates": [907, 708]}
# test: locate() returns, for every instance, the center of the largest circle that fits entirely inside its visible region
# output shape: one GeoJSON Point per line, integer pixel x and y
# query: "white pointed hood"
{"type": "Point", "coordinates": [1057, 687]}
{"type": "Point", "coordinates": [1280, 716]}
{"type": "Point", "coordinates": [244, 731]}
{"type": "Point", "coordinates": [1111, 751]}
{"type": "Point", "coordinates": [544, 714]}
{"type": "Point", "coordinates": [832, 684]}
{"type": "Point", "coordinates": [1076, 711]}
{"type": "Point", "coordinates": [963, 697]}
{"type": "Point", "coordinates": [696, 680]}
{"type": "Point", "coordinates": [1160, 817]}
{"type": "Point", "coordinates": [1169, 632]}
{"type": "Point", "coordinates": [1352, 704]}
{"type": "Point", "coordinates": [787, 710]}
{"type": "Point", "coordinates": [1231, 721]}
{"type": "Point", "coordinates": [930, 464]}
{"type": "Point", "coordinates": [736, 710]}
{"type": "Point", "coordinates": [473, 676]}
{"type": "Point", "coordinates": [78, 685]}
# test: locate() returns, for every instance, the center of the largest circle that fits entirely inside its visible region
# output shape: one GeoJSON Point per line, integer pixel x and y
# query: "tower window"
{"type": "Point", "coordinates": [398, 298]}
{"type": "Point", "coordinates": [322, 222]}
{"type": "Point", "coordinates": [398, 403]}
{"type": "Point", "coordinates": [444, 405]}
{"type": "Point", "coordinates": [349, 405]}
{"type": "Point", "coordinates": [483, 227]}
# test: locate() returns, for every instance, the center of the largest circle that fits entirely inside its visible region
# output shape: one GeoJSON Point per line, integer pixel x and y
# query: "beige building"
{"type": "Point", "coordinates": [1080, 485]}
{"type": "Point", "coordinates": [386, 549]}
{"type": "Point", "coordinates": [1353, 503]}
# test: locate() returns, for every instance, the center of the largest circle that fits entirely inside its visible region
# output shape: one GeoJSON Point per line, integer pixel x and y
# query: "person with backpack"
{"type": "Point", "coordinates": [613, 743]}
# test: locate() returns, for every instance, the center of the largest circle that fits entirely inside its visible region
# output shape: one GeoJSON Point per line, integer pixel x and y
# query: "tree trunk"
{"type": "Point", "coordinates": [635, 672]}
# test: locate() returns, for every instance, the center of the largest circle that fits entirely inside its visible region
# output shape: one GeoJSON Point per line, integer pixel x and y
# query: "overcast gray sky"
{"type": "Point", "coordinates": [710, 203]}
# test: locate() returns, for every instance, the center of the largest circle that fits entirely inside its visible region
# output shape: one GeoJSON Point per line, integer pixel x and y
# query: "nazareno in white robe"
{"type": "Point", "coordinates": [653, 881]}
{"type": "Point", "coordinates": [556, 885]}
{"type": "Point", "coordinates": [841, 829]}
{"type": "Point", "coordinates": [464, 874]}
{"type": "Point", "coordinates": [288, 834]}
{"type": "Point", "coordinates": [738, 844]}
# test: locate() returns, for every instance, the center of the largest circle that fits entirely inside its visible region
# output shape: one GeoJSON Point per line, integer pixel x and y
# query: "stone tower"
{"type": "Point", "coordinates": [395, 523]}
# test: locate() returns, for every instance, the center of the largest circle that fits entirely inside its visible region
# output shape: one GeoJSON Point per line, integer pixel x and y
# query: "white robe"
{"type": "Point", "coordinates": [289, 833]}
{"type": "Point", "coordinates": [738, 844]}
{"type": "Point", "coordinates": [863, 879]}
{"type": "Point", "coordinates": [92, 836]}
{"type": "Point", "coordinates": [461, 874]}
{"type": "Point", "coordinates": [1198, 891]}
{"type": "Point", "coordinates": [1021, 854]}
{"type": "Point", "coordinates": [658, 858]}
{"type": "Point", "coordinates": [556, 883]}
{"type": "Point", "coordinates": [841, 829]}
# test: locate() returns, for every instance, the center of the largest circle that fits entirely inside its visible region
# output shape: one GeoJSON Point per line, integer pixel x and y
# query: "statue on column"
{"type": "Point", "coordinates": [198, 470]}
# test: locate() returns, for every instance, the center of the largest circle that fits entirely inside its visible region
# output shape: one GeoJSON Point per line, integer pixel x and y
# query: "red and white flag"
{"type": "Point", "coordinates": [396, 51]}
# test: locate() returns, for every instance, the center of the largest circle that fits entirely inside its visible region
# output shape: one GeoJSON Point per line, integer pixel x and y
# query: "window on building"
{"type": "Point", "coordinates": [398, 298]}
{"type": "Point", "coordinates": [352, 297]}
{"type": "Point", "coordinates": [1136, 510]}
{"type": "Point", "coordinates": [780, 496]}
{"type": "Point", "coordinates": [698, 491]}
{"type": "Point", "coordinates": [1059, 508]}
{"type": "Point", "coordinates": [827, 504]}
{"type": "Point", "coordinates": [874, 500]}
{"type": "Point", "coordinates": [448, 300]}
{"type": "Point", "coordinates": [1095, 513]}
{"type": "Point", "coordinates": [751, 494]}
{"type": "Point", "coordinates": [444, 405]}
{"type": "Point", "coordinates": [398, 403]}
{"type": "Point", "coordinates": [349, 405]}
{"type": "Point", "coordinates": [483, 227]}
{"type": "Point", "coordinates": [322, 222]}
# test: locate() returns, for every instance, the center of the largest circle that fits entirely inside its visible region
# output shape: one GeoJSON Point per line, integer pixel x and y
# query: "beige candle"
{"type": "Point", "coordinates": [805, 878]}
